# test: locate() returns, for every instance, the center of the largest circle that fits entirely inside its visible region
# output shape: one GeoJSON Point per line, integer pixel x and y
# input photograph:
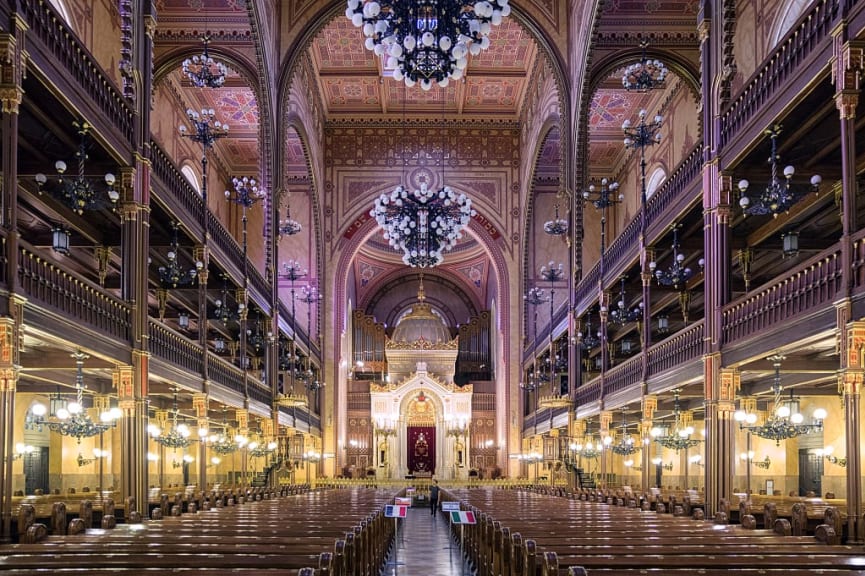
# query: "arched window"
{"type": "Point", "coordinates": [190, 174]}
{"type": "Point", "coordinates": [60, 7]}
{"type": "Point", "coordinates": [786, 17]}
{"type": "Point", "coordinates": [655, 180]}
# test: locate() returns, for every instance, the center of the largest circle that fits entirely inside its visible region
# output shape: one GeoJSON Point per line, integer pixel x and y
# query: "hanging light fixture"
{"type": "Point", "coordinates": [557, 226]}
{"type": "Point", "coordinates": [426, 41]}
{"type": "Point", "coordinates": [589, 338]}
{"type": "Point", "coordinates": [785, 421]}
{"type": "Point", "coordinates": [60, 237]}
{"type": "Point", "coordinates": [310, 296]}
{"type": "Point", "coordinates": [778, 196]}
{"type": "Point", "coordinates": [222, 443]}
{"type": "Point", "coordinates": [256, 339]}
{"type": "Point", "coordinates": [590, 449]}
{"type": "Point", "coordinates": [790, 244]}
{"type": "Point", "coordinates": [178, 434]}
{"type": "Point", "coordinates": [677, 275]}
{"type": "Point", "coordinates": [645, 75]}
{"type": "Point", "coordinates": [203, 71]}
{"type": "Point", "coordinates": [289, 359]}
{"type": "Point", "coordinates": [174, 275]}
{"type": "Point", "coordinates": [223, 312]}
{"type": "Point", "coordinates": [79, 193]}
{"type": "Point", "coordinates": [422, 223]}
{"type": "Point", "coordinates": [288, 226]}
{"type": "Point", "coordinates": [621, 314]}
{"type": "Point", "coordinates": [183, 320]}
{"type": "Point", "coordinates": [679, 438]}
{"type": "Point", "coordinates": [71, 419]}
{"type": "Point", "coordinates": [626, 444]}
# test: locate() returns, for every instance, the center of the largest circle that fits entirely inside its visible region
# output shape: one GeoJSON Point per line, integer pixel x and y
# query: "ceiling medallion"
{"type": "Point", "coordinates": [427, 41]}
{"type": "Point", "coordinates": [422, 223]}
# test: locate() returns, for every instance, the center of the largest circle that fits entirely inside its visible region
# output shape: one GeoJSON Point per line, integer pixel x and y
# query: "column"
{"type": "Point", "coordinates": [850, 379]}
{"type": "Point", "coordinates": [199, 404]}
{"type": "Point", "coordinates": [242, 416]}
{"type": "Point", "coordinates": [132, 399]}
{"type": "Point", "coordinates": [650, 404]}
{"type": "Point", "coordinates": [721, 385]}
{"type": "Point", "coordinates": [606, 417]}
{"type": "Point", "coordinates": [9, 366]}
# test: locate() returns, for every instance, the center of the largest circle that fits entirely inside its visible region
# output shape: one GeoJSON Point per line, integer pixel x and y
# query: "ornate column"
{"type": "Point", "coordinates": [199, 404]}
{"type": "Point", "coordinates": [242, 416]}
{"type": "Point", "coordinates": [650, 404]}
{"type": "Point", "coordinates": [606, 417]}
{"type": "Point", "coordinates": [721, 385]}
{"type": "Point", "coordinates": [132, 399]}
{"type": "Point", "coordinates": [850, 380]}
{"type": "Point", "coordinates": [9, 365]}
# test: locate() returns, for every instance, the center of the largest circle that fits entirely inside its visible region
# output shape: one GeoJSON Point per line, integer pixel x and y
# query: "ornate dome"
{"type": "Point", "coordinates": [421, 324]}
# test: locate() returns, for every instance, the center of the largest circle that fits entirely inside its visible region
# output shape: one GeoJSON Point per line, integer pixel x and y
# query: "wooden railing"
{"type": "Point", "coordinates": [779, 68]}
{"type": "Point", "coordinates": [858, 257]}
{"type": "Point", "coordinates": [174, 348]}
{"type": "Point", "coordinates": [302, 336]}
{"type": "Point", "coordinates": [588, 392]}
{"type": "Point", "coordinates": [63, 49]}
{"type": "Point", "coordinates": [258, 391]}
{"type": "Point", "coordinates": [683, 346]}
{"type": "Point", "coordinates": [624, 375]}
{"type": "Point", "coordinates": [813, 284]}
{"type": "Point", "coordinates": [71, 296]}
{"type": "Point", "coordinates": [626, 244]}
{"type": "Point", "coordinates": [225, 374]}
{"type": "Point", "coordinates": [170, 177]}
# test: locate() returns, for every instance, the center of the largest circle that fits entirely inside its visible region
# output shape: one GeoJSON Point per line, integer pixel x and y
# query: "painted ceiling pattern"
{"type": "Point", "coordinates": [294, 159]}
{"type": "Point", "coordinates": [339, 46]}
{"type": "Point", "coordinates": [653, 7]}
{"type": "Point", "coordinates": [238, 107]}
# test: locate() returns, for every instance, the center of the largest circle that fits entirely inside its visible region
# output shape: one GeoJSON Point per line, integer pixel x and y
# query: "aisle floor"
{"type": "Point", "coordinates": [424, 547]}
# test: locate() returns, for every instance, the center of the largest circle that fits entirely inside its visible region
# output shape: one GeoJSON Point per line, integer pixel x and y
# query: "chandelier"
{"type": "Point", "coordinates": [590, 450]}
{"type": "Point", "coordinates": [589, 339]}
{"type": "Point", "coordinates": [178, 435]}
{"type": "Point", "coordinates": [223, 312]}
{"type": "Point", "coordinates": [207, 129]}
{"type": "Point", "coordinates": [256, 339]}
{"type": "Point", "coordinates": [257, 448]}
{"type": "Point", "coordinates": [203, 71]}
{"type": "Point", "coordinates": [644, 75]}
{"type": "Point", "coordinates": [557, 226]}
{"type": "Point", "coordinates": [626, 445]}
{"type": "Point", "coordinates": [785, 421]}
{"type": "Point", "coordinates": [78, 192]}
{"type": "Point", "coordinates": [174, 275]}
{"type": "Point", "coordinates": [422, 223]}
{"type": "Point", "coordinates": [426, 41]}
{"type": "Point", "coordinates": [621, 314]}
{"type": "Point", "coordinates": [679, 438]}
{"type": "Point", "coordinates": [778, 196]}
{"type": "Point", "coordinates": [288, 226]}
{"type": "Point", "coordinates": [677, 275]}
{"type": "Point", "coordinates": [222, 444]}
{"type": "Point", "coordinates": [71, 419]}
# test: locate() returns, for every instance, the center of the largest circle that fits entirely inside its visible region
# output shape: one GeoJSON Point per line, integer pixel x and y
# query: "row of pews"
{"type": "Point", "coordinates": [523, 533]}
{"type": "Point", "coordinates": [288, 531]}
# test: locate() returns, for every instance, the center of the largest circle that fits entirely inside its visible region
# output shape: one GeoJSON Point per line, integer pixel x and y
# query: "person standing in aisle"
{"type": "Point", "coordinates": [434, 497]}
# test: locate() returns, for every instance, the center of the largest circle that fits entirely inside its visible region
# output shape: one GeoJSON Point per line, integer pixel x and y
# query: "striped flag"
{"type": "Point", "coordinates": [462, 517]}
{"type": "Point", "coordinates": [395, 511]}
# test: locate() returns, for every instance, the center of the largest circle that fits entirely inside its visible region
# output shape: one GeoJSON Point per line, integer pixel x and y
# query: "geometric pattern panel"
{"type": "Point", "coordinates": [681, 8]}
{"type": "Point", "coordinates": [493, 93]}
{"type": "Point", "coordinates": [510, 48]}
{"type": "Point", "coordinates": [352, 92]}
{"type": "Point", "coordinates": [238, 107]}
{"type": "Point", "coordinates": [339, 46]}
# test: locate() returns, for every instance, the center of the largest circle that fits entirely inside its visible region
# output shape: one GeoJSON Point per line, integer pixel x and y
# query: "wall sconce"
{"type": "Point", "coordinates": [22, 450]}
{"type": "Point", "coordinates": [82, 461]}
{"type": "Point", "coordinates": [749, 457]}
{"type": "Point", "coordinates": [697, 459]}
{"type": "Point", "coordinates": [827, 452]}
{"type": "Point", "coordinates": [183, 321]}
{"type": "Point", "coordinates": [60, 237]}
{"type": "Point", "coordinates": [790, 244]}
{"type": "Point", "coordinates": [657, 461]}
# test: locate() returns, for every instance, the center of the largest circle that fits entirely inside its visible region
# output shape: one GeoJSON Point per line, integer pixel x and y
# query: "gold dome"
{"type": "Point", "coordinates": [421, 324]}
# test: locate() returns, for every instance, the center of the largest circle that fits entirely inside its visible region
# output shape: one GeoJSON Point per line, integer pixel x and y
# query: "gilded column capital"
{"type": "Point", "coordinates": [199, 404]}
{"type": "Point", "coordinates": [850, 382]}
{"type": "Point", "coordinates": [606, 417]}
{"type": "Point", "coordinates": [242, 417]}
{"type": "Point", "coordinates": [731, 382]}
{"type": "Point", "coordinates": [847, 61]}
{"type": "Point", "coordinates": [13, 66]}
{"type": "Point", "coordinates": [8, 378]}
{"type": "Point", "coordinates": [122, 381]}
{"type": "Point", "coordinates": [650, 405]}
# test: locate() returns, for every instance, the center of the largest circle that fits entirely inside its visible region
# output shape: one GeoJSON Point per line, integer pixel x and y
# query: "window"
{"type": "Point", "coordinates": [190, 174]}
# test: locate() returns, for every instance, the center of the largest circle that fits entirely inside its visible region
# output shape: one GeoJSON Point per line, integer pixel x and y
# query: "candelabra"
{"type": "Point", "coordinates": [292, 271]}
{"type": "Point", "coordinates": [534, 297]}
{"type": "Point", "coordinates": [778, 196]}
{"type": "Point", "coordinates": [658, 461]}
{"type": "Point", "coordinates": [78, 192]}
{"type": "Point", "coordinates": [203, 71]}
{"type": "Point", "coordinates": [557, 226]}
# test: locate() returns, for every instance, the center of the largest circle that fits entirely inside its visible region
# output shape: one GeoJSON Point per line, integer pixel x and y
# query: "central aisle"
{"type": "Point", "coordinates": [424, 547]}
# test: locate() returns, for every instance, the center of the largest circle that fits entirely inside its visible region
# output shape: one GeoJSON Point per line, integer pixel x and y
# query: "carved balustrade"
{"type": "Point", "coordinates": [623, 375]}
{"type": "Point", "coordinates": [181, 192]}
{"type": "Point", "coordinates": [682, 347]}
{"type": "Point", "coordinates": [175, 348]}
{"type": "Point", "coordinates": [71, 296]}
{"type": "Point", "coordinates": [588, 392]}
{"type": "Point", "coordinates": [228, 375]}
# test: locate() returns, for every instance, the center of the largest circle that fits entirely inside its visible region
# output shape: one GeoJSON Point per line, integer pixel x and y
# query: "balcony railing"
{"type": "Point", "coordinates": [174, 348]}
{"type": "Point", "coordinates": [181, 190]}
{"type": "Point", "coordinates": [624, 375]}
{"type": "Point", "coordinates": [588, 393]}
{"type": "Point", "coordinates": [225, 374]}
{"type": "Point", "coordinates": [61, 48]}
{"type": "Point", "coordinates": [682, 347]}
{"type": "Point", "coordinates": [71, 296]}
{"type": "Point", "coordinates": [811, 285]}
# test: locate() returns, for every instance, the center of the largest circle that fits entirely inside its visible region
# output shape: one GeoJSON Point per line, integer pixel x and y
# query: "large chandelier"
{"type": "Point", "coordinates": [778, 196]}
{"type": "Point", "coordinates": [590, 449]}
{"type": "Point", "coordinates": [786, 421]}
{"type": "Point", "coordinates": [422, 223]}
{"type": "Point", "coordinates": [679, 438]}
{"type": "Point", "coordinates": [621, 314]}
{"type": "Point", "coordinates": [626, 444]}
{"type": "Point", "coordinates": [178, 434]}
{"type": "Point", "coordinates": [78, 192]}
{"type": "Point", "coordinates": [427, 41]}
{"type": "Point", "coordinates": [173, 275]}
{"type": "Point", "coordinates": [557, 226]}
{"type": "Point", "coordinates": [203, 71]}
{"type": "Point", "coordinates": [222, 310]}
{"type": "Point", "coordinates": [644, 75]}
{"type": "Point", "coordinates": [71, 419]}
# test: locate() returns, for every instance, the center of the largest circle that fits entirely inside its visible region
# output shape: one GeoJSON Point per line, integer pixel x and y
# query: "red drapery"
{"type": "Point", "coordinates": [421, 449]}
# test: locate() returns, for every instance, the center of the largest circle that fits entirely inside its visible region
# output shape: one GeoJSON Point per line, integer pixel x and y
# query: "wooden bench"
{"type": "Point", "coordinates": [530, 534]}
{"type": "Point", "coordinates": [337, 532]}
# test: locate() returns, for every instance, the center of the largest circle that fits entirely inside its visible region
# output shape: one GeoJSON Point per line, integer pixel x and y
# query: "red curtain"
{"type": "Point", "coordinates": [421, 449]}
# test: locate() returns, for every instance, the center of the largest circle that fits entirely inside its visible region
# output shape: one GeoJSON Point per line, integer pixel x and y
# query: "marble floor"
{"type": "Point", "coordinates": [424, 547]}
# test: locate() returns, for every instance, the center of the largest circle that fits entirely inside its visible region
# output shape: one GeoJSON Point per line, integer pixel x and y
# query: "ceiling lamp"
{"type": "Point", "coordinates": [677, 274]}
{"type": "Point", "coordinates": [258, 449]}
{"type": "Point", "coordinates": [679, 438]}
{"type": "Point", "coordinates": [588, 450]}
{"type": "Point", "coordinates": [422, 223]}
{"type": "Point", "coordinates": [557, 226]}
{"type": "Point", "coordinates": [78, 192]}
{"type": "Point", "coordinates": [71, 419]}
{"type": "Point", "coordinates": [178, 435]}
{"type": "Point", "coordinates": [626, 445]}
{"type": "Point", "coordinates": [203, 71]}
{"type": "Point", "coordinates": [174, 275]}
{"type": "Point", "coordinates": [288, 226]}
{"type": "Point", "coordinates": [589, 339]}
{"type": "Point", "coordinates": [60, 237]}
{"type": "Point", "coordinates": [621, 314]}
{"type": "Point", "coordinates": [644, 75]}
{"type": "Point", "coordinates": [786, 421]}
{"type": "Point", "coordinates": [427, 41]}
{"type": "Point", "coordinates": [223, 312]}
{"type": "Point", "coordinates": [778, 196]}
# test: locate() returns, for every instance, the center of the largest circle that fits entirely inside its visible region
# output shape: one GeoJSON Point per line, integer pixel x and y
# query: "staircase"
{"type": "Point", "coordinates": [586, 480]}
{"type": "Point", "coordinates": [262, 477]}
